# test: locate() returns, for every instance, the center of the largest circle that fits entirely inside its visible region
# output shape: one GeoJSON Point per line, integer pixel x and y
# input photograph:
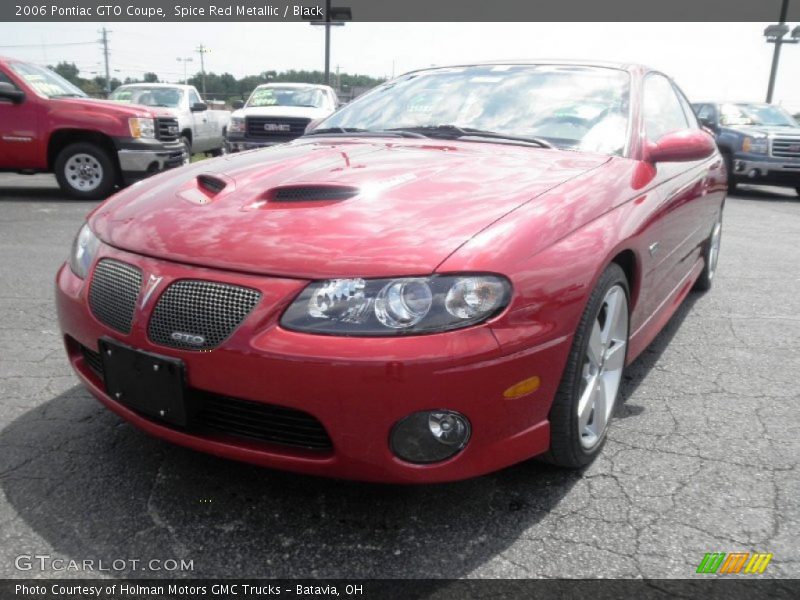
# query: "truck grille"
{"type": "Point", "coordinates": [283, 128]}
{"type": "Point", "coordinates": [167, 129]}
{"type": "Point", "coordinates": [199, 315]}
{"type": "Point", "coordinates": [113, 292]}
{"type": "Point", "coordinates": [213, 413]}
{"type": "Point", "coordinates": [786, 147]}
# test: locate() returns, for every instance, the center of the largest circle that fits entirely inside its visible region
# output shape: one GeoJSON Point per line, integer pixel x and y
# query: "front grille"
{"type": "Point", "coordinates": [93, 360]}
{"type": "Point", "coordinates": [112, 295]}
{"type": "Point", "coordinates": [786, 147]}
{"type": "Point", "coordinates": [199, 315]}
{"type": "Point", "coordinates": [211, 413]}
{"type": "Point", "coordinates": [263, 422]}
{"type": "Point", "coordinates": [167, 129]}
{"type": "Point", "coordinates": [285, 128]}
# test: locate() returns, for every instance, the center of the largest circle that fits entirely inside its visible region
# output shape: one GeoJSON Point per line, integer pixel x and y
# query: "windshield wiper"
{"type": "Point", "coordinates": [456, 132]}
{"type": "Point", "coordinates": [358, 132]}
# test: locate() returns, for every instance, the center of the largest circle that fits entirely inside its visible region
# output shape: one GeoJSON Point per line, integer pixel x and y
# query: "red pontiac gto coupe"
{"type": "Point", "coordinates": [445, 277]}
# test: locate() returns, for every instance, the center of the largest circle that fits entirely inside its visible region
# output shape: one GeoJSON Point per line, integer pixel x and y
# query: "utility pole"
{"type": "Point", "coordinates": [203, 50]}
{"type": "Point", "coordinates": [776, 34]}
{"type": "Point", "coordinates": [327, 42]}
{"type": "Point", "coordinates": [104, 41]}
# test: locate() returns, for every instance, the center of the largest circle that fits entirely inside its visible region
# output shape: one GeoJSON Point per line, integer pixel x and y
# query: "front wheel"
{"type": "Point", "coordinates": [710, 256]}
{"type": "Point", "coordinates": [85, 171]}
{"type": "Point", "coordinates": [587, 395]}
{"type": "Point", "coordinates": [729, 168]}
{"type": "Point", "coordinates": [187, 148]}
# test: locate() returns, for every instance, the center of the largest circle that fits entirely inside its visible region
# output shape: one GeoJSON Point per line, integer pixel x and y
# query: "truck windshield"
{"type": "Point", "coordinates": [148, 95]}
{"type": "Point", "coordinates": [278, 96]}
{"type": "Point", "coordinates": [46, 82]}
{"type": "Point", "coordinates": [571, 107]}
{"type": "Point", "coordinates": [755, 114]}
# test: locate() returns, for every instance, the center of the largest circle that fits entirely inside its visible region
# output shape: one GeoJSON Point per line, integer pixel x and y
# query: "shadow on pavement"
{"type": "Point", "coordinates": [769, 194]}
{"type": "Point", "coordinates": [95, 488]}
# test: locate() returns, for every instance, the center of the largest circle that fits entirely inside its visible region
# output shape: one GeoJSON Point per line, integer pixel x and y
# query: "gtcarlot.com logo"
{"type": "Point", "coordinates": [45, 562]}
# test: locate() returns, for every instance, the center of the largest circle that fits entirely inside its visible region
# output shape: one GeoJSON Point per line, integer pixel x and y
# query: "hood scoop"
{"type": "Point", "coordinates": [311, 193]}
{"type": "Point", "coordinates": [209, 183]}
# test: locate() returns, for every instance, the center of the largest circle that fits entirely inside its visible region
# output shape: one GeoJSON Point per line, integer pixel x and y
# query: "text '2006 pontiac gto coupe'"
{"type": "Point", "coordinates": [445, 277]}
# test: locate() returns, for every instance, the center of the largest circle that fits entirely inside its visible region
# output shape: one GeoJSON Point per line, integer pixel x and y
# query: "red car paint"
{"type": "Point", "coordinates": [551, 221]}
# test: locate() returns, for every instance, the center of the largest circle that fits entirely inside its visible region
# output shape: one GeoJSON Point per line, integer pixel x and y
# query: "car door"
{"type": "Point", "coordinates": [681, 187]}
{"type": "Point", "coordinates": [19, 131]}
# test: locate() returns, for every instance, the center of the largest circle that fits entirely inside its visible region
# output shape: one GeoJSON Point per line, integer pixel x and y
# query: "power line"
{"type": "Point", "coordinates": [48, 45]}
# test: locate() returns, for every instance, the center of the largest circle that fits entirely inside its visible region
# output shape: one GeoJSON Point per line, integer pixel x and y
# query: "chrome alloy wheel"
{"type": "Point", "coordinates": [602, 367]}
{"type": "Point", "coordinates": [83, 172]}
{"type": "Point", "coordinates": [713, 249]}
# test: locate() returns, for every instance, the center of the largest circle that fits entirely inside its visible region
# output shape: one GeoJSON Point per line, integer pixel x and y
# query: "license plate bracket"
{"type": "Point", "coordinates": [149, 383]}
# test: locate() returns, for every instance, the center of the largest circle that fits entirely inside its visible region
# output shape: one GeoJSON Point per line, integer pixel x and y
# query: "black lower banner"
{"type": "Point", "coordinates": [250, 589]}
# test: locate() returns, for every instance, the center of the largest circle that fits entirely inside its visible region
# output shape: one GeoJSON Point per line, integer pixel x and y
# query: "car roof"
{"type": "Point", "coordinates": [294, 85]}
{"type": "Point", "coordinates": [159, 84]}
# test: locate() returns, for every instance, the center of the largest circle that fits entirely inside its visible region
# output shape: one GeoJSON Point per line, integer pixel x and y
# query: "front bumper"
{"type": "Point", "coordinates": [357, 388]}
{"type": "Point", "coordinates": [138, 159]}
{"type": "Point", "coordinates": [767, 171]}
{"type": "Point", "coordinates": [242, 144]}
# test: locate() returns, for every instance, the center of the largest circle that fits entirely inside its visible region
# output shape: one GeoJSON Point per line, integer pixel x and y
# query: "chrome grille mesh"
{"type": "Point", "coordinates": [199, 315]}
{"type": "Point", "coordinates": [786, 147]}
{"type": "Point", "coordinates": [113, 292]}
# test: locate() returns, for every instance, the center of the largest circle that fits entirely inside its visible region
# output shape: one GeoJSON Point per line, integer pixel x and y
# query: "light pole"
{"type": "Point", "coordinates": [776, 34]}
{"type": "Point", "coordinates": [185, 60]}
{"type": "Point", "coordinates": [334, 17]}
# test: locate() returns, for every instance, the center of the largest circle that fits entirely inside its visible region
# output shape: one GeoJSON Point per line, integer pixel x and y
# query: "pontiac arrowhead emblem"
{"type": "Point", "coordinates": [149, 288]}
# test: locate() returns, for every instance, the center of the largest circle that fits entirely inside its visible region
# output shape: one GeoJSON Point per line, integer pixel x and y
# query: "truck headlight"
{"type": "Point", "coordinates": [755, 145]}
{"type": "Point", "coordinates": [84, 250]}
{"type": "Point", "coordinates": [142, 127]}
{"type": "Point", "coordinates": [236, 126]}
{"type": "Point", "coordinates": [397, 306]}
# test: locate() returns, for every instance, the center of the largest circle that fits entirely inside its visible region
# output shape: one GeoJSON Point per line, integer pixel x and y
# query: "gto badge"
{"type": "Point", "coordinates": [276, 127]}
{"type": "Point", "coordinates": [188, 338]}
{"type": "Point", "coordinates": [152, 284]}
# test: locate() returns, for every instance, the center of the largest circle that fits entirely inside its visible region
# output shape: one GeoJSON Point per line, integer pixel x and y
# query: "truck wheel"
{"type": "Point", "coordinates": [187, 144]}
{"type": "Point", "coordinates": [85, 171]}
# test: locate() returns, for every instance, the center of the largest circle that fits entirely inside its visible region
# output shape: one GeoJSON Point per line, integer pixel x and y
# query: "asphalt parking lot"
{"type": "Point", "coordinates": [703, 455]}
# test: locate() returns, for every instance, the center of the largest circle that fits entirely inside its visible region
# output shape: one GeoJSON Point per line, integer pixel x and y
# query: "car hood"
{"type": "Point", "coordinates": [417, 202]}
{"type": "Point", "coordinates": [305, 112]}
{"type": "Point", "coordinates": [113, 107]}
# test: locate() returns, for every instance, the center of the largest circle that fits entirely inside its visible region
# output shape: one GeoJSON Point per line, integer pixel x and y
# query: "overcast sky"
{"type": "Point", "coordinates": [708, 60]}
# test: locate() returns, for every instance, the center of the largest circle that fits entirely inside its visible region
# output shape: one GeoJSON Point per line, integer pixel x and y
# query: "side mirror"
{"type": "Point", "coordinates": [237, 104]}
{"type": "Point", "coordinates": [707, 122]}
{"type": "Point", "coordinates": [9, 92]}
{"type": "Point", "coordinates": [683, 145]}
{"type": "Point", "coordinates": [199, 107]}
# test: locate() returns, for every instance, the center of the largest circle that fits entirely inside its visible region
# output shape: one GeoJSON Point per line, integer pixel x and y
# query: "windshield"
{"type": "Point", "coordinates": [572, 107]}
{"type": "Point", "coordinates": [149, 96]}
{"type": "Point", "coordinates": [755, 114]}
{"type": "Point", "coordinates": [45, 81]}
{"type": "Point", "coordinates": [278, 96]}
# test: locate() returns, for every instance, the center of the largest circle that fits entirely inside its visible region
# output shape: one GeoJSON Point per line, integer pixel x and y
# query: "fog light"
{"type": "Point", "coordinates": [430, 436]}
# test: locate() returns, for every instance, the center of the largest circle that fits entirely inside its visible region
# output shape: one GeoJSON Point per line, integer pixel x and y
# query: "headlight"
{"type": "Point", "coordinates": [403, 305]}
{"type": "Point", "coordinates": [755, 145]}
{"type": "Point", "coordinates": [236, 125]}
{"type": "Point", "coordinates": [142, 127]}
{"type": "Point", "coordinates": [84, 249]}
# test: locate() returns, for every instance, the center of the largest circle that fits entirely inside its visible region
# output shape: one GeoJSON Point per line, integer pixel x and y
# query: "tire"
{"type": "Point", "coordinates": [85, 171]}
{"type": "Point", "coordinates": [187, 144]}
{"type": "Point", "coordinates": [797, 189]}
{"type": "Point", "coordinates": [710, 256]}
{"type": "Point", "coordinates": [732, 183]}
{"type": "Point", "coordinates": [576, 442]}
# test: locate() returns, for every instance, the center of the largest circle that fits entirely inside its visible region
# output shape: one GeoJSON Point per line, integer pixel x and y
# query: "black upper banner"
{"type": "Point", "coordinates": [396, 10]}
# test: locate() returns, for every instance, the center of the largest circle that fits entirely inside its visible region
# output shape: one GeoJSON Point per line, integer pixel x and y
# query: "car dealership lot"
{"type": "Point", "coordinates": [702, 457]}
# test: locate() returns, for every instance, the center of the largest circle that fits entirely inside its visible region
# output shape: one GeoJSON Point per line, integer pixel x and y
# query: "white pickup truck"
{"type": "Point", "coordinates": [278, 112]}
{"type": "Point", "coordinates": [202, 129]}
